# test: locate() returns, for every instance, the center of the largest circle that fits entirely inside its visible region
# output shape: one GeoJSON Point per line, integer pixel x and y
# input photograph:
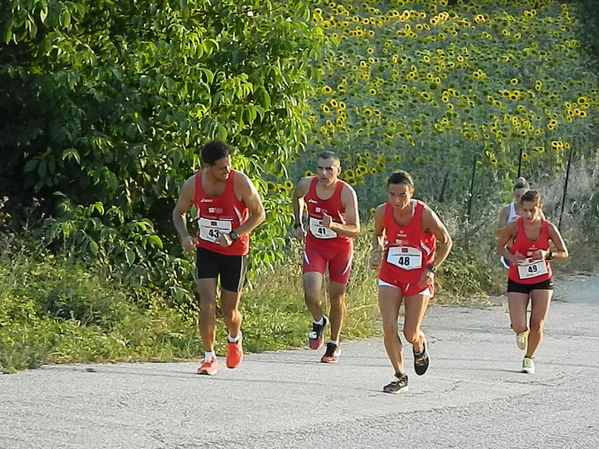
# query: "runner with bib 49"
{"type": "Point", "coordinates": [529, 274]}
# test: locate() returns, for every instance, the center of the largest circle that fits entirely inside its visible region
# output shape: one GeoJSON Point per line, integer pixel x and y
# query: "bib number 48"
{"type": "Point", "coordinates": [405, 257]}
{"type": "Point", "coordinates": [403, 261]}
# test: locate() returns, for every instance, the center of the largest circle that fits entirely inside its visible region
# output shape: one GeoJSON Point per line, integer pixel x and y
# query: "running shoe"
{"type": "Point", "coordinates": [522, 340]}
{"type": "Point", "coordinates": [234, 354]}
{"type": "Point", "coordinates": [332, 353]}
{"type": "Point", "coordinates": [528, 365]}
{"type": "Point", "coordinates": [421, 360]}
{"type": "Point", "coordinates": [399, 384]}
{"type": "Point", "coordinates": [315, 338]}
{"type": "Point", "coordinates": [209, 368]}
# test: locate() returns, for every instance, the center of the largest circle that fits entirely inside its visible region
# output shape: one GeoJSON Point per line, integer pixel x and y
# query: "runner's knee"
{"type": "Point", "coordinates": [390, 330]}
{"type": "Point", "coordinates": [207, 309]}
{"type": "Point", "coordinates": [519, 328]}
{"type": "Point", "coordinates": [537, 325]}
{"type": "Point", "coordinates": [411, 335]}
{"type": "Point", "coordinates": [337, 300]}
{"type": "Point", "coordinates": [229, 315]}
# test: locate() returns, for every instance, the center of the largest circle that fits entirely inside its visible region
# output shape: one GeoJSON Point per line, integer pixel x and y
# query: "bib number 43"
{"type": "Point", "coordinates": [210, 230]}
{"type": "Point", "coordinates": [214, 233]}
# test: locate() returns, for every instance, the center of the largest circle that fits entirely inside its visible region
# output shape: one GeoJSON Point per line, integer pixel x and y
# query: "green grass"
{"type": "Point", "coordinates": [58, 310]}
{"type": "Point", "coordinates": [55, 310]}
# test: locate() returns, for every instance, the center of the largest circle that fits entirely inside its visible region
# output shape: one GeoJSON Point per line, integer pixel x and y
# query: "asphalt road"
{"type": "Point", "coordinates": [472, 397]}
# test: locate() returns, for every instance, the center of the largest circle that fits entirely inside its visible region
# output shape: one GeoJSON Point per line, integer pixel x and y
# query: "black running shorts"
{"type": "Point", "coordinates": [231, 269]}
{"type": "Point", "coordinates": [515, 287]}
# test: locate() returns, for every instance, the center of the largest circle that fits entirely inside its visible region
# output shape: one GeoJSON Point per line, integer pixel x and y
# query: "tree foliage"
{"type": "Point", "coordinates": [106, 103]}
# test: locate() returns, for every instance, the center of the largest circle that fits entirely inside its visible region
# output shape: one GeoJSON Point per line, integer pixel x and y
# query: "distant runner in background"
{"type": "Point", "coordinates": [332, 224]}
{"type": "Point", "coordinates": [529, 277]}
{"type": "Point", "coordinates": [406, 232]}
{"type": "Point", "coordinates": [511, 212]}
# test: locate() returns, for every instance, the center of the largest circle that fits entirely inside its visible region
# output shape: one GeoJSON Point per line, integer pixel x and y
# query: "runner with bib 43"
{"type": "Point", "coordinates": [529, 275]}
{"type": "Point", "coordinates": [228, 209]}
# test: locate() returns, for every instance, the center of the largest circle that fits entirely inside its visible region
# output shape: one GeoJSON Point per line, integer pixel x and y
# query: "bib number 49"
{"type": "Point", "coordinates": [531, 269]}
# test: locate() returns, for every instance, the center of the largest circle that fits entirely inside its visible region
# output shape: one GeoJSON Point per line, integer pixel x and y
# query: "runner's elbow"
{"type": "Point", "coordinates": [177, 214]}
{"type": "Point", "coordinates": [261, 216]}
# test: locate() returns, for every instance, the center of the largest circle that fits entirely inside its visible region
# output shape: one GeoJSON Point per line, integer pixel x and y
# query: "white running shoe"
{"type": "Point", "coordinates": [528, 366]}
{"type": "Point", "coordinates": [522, 340]}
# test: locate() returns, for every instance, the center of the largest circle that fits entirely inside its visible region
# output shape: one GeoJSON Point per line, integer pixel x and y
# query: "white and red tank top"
{"type": "Point", "coordinates": [317, 233]}
{"type": "Point", "coordinates": [220, 214]}
{"type": "Point", "coordinates": [529, 271]}
{"type": "Point", "coordinates": [408, 249]}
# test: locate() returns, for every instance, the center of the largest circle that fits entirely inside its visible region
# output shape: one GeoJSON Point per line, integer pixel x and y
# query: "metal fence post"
{"type": "Point", "coordinates": [470, 195]}
{"type": "Point", "coordinates": [561, 213]}
{"type": "Point", "coordinates": [520, 162]}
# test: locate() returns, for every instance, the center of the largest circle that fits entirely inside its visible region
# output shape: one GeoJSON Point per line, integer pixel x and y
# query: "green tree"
{"type": "Point", "coordinates": [106, 103]}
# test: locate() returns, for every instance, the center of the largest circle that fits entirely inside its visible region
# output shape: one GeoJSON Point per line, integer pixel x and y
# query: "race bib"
{"type": "Point", "coordinates": [319, 231]}
{"type": "Point", "coordinates": [210, 230]}
{"type": "Point", "coordinates": [405, 257]}
{"type": "Point", "coordinates": [528, 268]}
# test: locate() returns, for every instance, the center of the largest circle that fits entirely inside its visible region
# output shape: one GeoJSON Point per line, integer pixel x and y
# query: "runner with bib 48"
{"type": "Point", "coordinates": [529, 275]}
{"type": "Point", "coordinates": [406, 232]}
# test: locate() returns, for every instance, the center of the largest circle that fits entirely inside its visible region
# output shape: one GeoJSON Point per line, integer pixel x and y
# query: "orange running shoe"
{"type": "Point", "coordinates": [234, 354]}
{"type": "Point", "coordinates": [209, 368]}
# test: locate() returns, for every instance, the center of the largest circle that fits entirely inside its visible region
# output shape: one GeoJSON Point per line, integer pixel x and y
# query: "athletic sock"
{"type": "Point", "coordinates": [209, 355]}
{"type": "Point", "coordinates": [320, 322]}
{"type": "Point", "coordinates": [234, 339]}
{"type": "Point", "coordinates": [335, 342]}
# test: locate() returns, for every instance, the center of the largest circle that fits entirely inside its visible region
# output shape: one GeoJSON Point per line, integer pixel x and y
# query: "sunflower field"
{"type": "Point", "coordinates": [466, 96]}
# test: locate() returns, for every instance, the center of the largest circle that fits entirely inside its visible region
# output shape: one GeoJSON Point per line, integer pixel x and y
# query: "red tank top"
{"type": "Point", "coordinates": [318, 234]}
{"type": "Point", "coordinates": [529, 272]}
{"type": "Point", "coordinates": [217, 214]}
{"type": "Point", "coordinates": [408, 249]}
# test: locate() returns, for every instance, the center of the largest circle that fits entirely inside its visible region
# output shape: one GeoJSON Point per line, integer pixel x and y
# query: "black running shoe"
{"type": "Point", "coordinates": [421, 360]}
{"type": "Point", "coordinates": [332, 353]}
{"type": "Point", "coordinates": [315, 338]}
{"type": "Point", "coordinates": [399, 384]}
